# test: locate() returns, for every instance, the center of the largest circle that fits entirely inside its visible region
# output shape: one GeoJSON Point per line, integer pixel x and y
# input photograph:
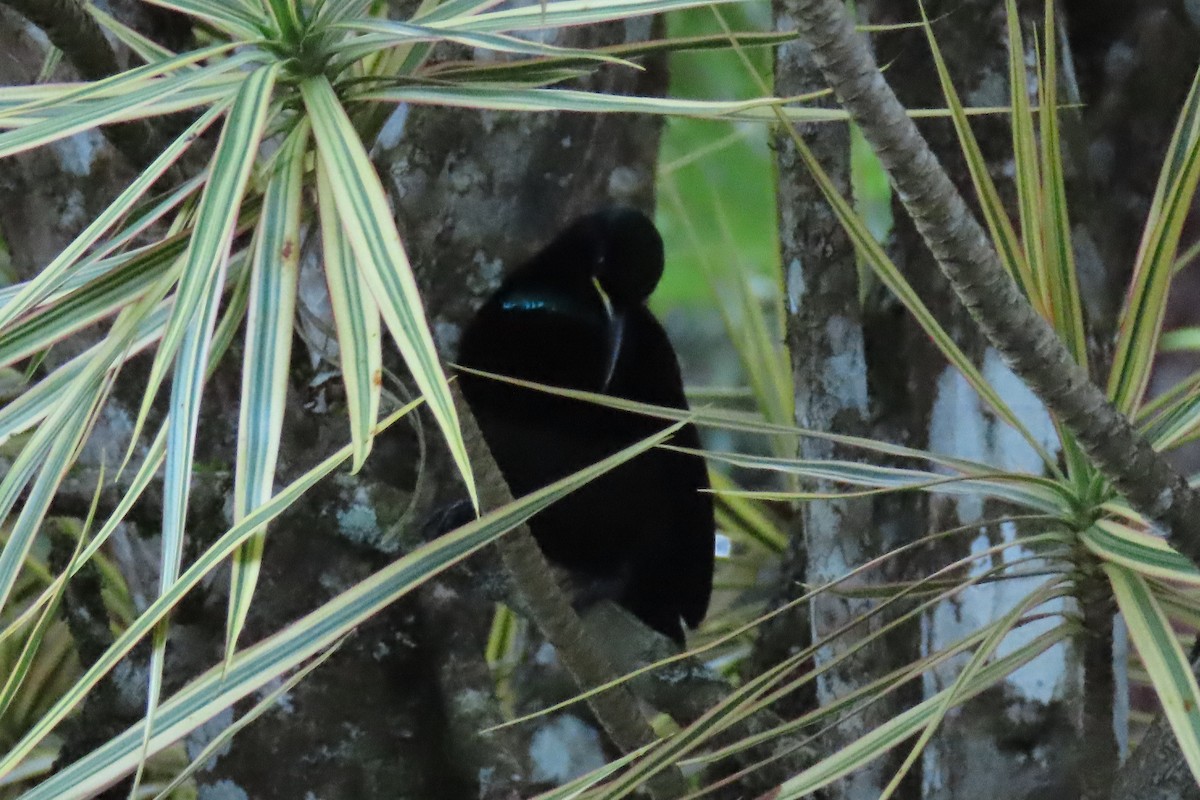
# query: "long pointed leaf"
{"type": "Point", "coordinates": [252, 668]}
{"type": "Point", "coordinates": [1142, 317]}
{"type": "Point", "coordinates": [742, 421]}
{"type": "Point", "coordinates": [225, 16]}
{"type": "Point", "coordinates": [356, 318]}
{"type": "Point", "coordinates": [1156, 643]}
{"type": "Point", "coordinates": [1030, 491]}
{"type": "Point", "coordinates": [145, 48]}
{"type": "Point", "coordinates": [392, 33]}
{"type": "Point", "coordinates": [562, 13]}
{"type": "Point", "coordinates": [85, 116]}
{"type": "Point", "coordinates": [274, 278]}
{"type": "Point", "coordinates": [49, 278]}
{"type": "Point", "coordinates": [1058, 258]}
{"type": "Point", "coordinates": [57, 98]}
{"type": "Point", "coordinates": [216, 219]}
{"type": "Point", "coordinates": [498, 98]}
{"type": "Point", "coordinates": [1028, 172]}
{"type": "Point", "coordinates": [195, 311]}
{"type": "Point", "coordinates": [108, 294]}
{"type": "Point", "coordinates": [999, 225]}
{"type": "Point", "coordinates": [363, 209]}
{"type": "Point", "coordinates": [1140, 552]}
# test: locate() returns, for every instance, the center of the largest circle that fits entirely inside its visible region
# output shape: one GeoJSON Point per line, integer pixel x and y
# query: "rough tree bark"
{"type": "Point", "coordinates": [1022, 730]}
{"type": "Point", "coordinates": [973, 44]}
{"type": "Point", "coordinates": [831, 376]}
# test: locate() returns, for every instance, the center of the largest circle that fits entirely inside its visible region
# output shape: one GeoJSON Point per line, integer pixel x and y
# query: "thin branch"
{"type": "Point", "coordinates": [967, 258]}
{"type": "Point", "coordinates": [1098, 748]}
{"type": "Point", "coordinates": [616, 709]}
{"type": "Point", "coordinates": [687, 689]}
{"type": "Point", "coordinates": [71, 29]}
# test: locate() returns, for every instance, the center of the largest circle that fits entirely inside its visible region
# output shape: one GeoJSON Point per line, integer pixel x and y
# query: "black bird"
{"type": "Point", "coordinates": [574, 316]}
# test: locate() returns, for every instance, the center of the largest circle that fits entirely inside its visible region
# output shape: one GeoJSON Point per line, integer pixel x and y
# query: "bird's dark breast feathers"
{"type": "Point", "coordinates": [531, 335]}
{"type": "Point", "coordinates": [648, 521]}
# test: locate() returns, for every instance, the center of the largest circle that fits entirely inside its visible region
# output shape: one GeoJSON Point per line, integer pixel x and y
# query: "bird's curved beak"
{"type": "Point", "coordinates": [616, 330]}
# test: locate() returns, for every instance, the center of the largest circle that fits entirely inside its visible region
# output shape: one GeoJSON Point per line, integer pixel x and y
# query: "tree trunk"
{"type": "Point", "coordinates": [832, 371]}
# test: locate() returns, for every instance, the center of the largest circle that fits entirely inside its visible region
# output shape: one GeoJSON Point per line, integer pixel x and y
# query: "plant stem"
{"type": "Point", "coordinates": [967, 258]}
{"type": "Point", "coordinates": [1098, 756]}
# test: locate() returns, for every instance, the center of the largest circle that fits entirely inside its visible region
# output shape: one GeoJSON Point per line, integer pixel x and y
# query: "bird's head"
{"type": "Point", "coordinates": [622, 252]}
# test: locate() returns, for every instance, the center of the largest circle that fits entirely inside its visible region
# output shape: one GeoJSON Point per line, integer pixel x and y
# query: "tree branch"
{"type": "Point", "coordinates": [967, 258]}
{"type": "Point", "coordinates": [1156, 769]}
{"type": "Point", "coordinates": [616, 709]}
{"type": "Point", "coordinates": [688, 689]}
{"type": "Point", "coordinates": [72, 30]}
{"type": "Point", "coordinates": [68, 25]}
{"type": "Point", "coordinates": [1098, 748]}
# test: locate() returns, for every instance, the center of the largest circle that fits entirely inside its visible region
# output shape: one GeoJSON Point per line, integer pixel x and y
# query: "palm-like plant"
{"type": "Point", "coordinates": [298, 90]}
